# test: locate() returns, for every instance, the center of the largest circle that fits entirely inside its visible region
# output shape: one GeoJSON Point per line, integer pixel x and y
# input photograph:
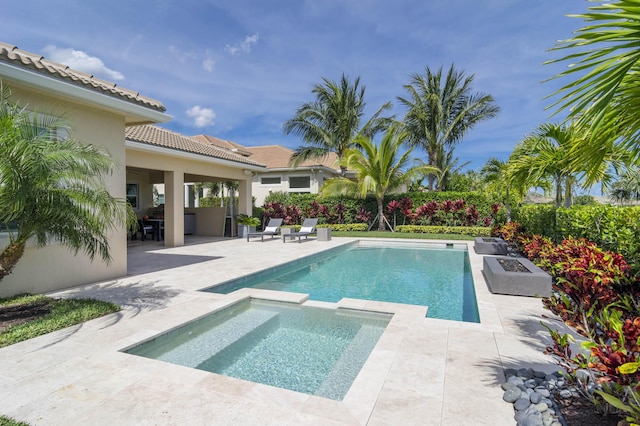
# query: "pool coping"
{"type": "Point", "coordinates": [419, 372]}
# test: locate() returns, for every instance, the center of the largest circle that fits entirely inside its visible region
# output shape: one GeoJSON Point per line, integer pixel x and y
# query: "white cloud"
{"type": "Point", "coordinates": [245, 46]}
{"type": "Point", "coordinates": [181, 55]}
{"type": "Point", "coordinates": [208, 64]}
{"type": "Point", "coordinates": [81, 61]}
{"type": "Point", "coordinates": [202, 117]}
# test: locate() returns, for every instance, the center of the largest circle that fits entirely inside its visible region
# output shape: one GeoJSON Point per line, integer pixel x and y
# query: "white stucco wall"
{"type": "Point", "coordinates": [55, 267]}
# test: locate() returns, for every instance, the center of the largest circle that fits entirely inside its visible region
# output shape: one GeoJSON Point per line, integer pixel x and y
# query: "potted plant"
{"type": "Point", "coordinates": [246, 224]}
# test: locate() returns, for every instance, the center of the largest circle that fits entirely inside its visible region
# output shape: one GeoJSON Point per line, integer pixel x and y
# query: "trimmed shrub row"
{"type": "Point", "coordinates": [477, 231]}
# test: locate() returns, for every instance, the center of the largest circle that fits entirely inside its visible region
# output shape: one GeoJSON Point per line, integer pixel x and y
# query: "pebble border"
{"type": "Point", "coordinates": [532, 394]}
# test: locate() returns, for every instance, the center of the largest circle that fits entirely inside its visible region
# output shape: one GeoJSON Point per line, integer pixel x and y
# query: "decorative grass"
{"type": "Point", "coordinates": [63, 313]}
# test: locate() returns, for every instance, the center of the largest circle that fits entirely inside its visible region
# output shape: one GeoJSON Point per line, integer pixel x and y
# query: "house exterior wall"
{"type": "Point", "coordinates": [54, 267]}
{"type": "Point", "coordinates": [261, 191]}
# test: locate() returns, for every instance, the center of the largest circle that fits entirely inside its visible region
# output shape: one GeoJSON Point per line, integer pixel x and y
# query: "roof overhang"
{"type": "Point", "coordinates": [139, 146]}
{"type": "Point", "coordinates": [134, 114]}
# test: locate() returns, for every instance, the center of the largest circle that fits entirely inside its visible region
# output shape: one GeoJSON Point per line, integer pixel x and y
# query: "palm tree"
{"type": "Point", "coordinates": [547, 154]}
{"type": "Point", "coordinates": [448, 165]}
{"type": "Point", "coordinates": [52, 189]}
{"type": "Point", "coordinates": [440, 113]}
{"type": "Point", "coordinates": [330, 123]}
{"type": "Point", "coordinates": [496, 173]}
{"type": "Point", "coordinates": [627, 187]}
{"type": "Point", "coordinates": [379, 169]}
{"type": "Point", "coordinates": [605, 97]}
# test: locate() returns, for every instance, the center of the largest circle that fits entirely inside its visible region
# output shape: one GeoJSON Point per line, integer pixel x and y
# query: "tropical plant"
{"type": "Point", "coordinates": [604, 97]}
{"type": "Point", "coordinates": [247, 220]}
{"type": "Point", "coordinates": [332, 121]}
{"type": "Point", "coordinates": [53, 189]}
{"type": "Point", "coordinates": [627, 188]}
{"type": "Point", "coordinates": [495, 173]}
{"type": "Point", "coordinates": [440, 113]}
{"type": "Point", "coordinates": [378, 169]}
{"type": "Point", "coordinates": [547, 153]}
{"type": "Point", "coordinates": [470, 180]}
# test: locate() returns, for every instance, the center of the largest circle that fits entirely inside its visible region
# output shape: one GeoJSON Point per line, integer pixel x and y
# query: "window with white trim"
{"type": "Point", "coordinates": [271, 180]}
{"type": "Point", "coordinates": [300, 182]}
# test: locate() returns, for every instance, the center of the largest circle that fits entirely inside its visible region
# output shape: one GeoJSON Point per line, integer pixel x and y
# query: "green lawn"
{"type": "Point", "coordinates": [49, 315]}
{"type": "Point", "coordinates": [8, 421]}
{"type": "Point", "coordinates": [389, 234]}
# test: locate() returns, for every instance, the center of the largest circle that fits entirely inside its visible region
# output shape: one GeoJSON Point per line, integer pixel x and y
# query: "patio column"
{"type": "Point", "coordinates": [173, 209]}
{"type": "Point", "coordinates": [245, 204]}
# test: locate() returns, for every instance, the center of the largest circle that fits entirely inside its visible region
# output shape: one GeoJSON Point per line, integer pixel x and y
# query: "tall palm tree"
{"type": "Point", "coordinates": [440, 113]}
{"type": "Point", "coordinates": [604, 58]}
{"type": "Point", "coordinates": [379, 169]}
{"type": "Point", "coordinates": [52, 189]}
{"type": "Point", "coordinates": [330, 123]}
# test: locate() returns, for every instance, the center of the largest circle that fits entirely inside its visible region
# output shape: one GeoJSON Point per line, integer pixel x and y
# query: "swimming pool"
{"type": "Point", "coordinates": [306, 349]}
{"type": "Point", "coordinates": [427, 274]}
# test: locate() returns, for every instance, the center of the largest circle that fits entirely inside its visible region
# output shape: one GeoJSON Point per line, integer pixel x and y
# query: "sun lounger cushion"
{"type": "Point", "coordinates": [271, 229]}
{"type": "Point", "coordinates": [306, 229]}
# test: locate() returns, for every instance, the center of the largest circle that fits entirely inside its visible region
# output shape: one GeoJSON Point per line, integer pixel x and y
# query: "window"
{"type": "Point", "coordinates": [299, 182]}
{"type": "Point", "coordinates": [132, 194]}
{"type": "Point", "coordinates": [270, 180]}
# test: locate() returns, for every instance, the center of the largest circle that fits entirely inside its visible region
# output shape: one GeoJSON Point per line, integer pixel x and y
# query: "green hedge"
{"type": "Point", "coordinates": [474, 231]}
{"type": "Point", "coordinates": [537, 219]}
{"type": "Point", "coordinates": [345, 227]}
{"type": "Point", "coordinates": [613, 228]}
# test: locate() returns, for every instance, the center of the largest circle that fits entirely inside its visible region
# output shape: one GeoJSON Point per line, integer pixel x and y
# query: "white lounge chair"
{"type": "Point", "coordinates": [272, 228]}
{"type": "Point", "coordinates": [308, 227]}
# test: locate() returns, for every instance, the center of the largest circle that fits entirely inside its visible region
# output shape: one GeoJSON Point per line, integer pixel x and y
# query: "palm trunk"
{"type": "Point", "coordinates": [558, 192]}
{"type": "Point", "coordinates": [507, 206]}
{"type": "Point", "coordinates": [568, 196]}
{"type": "Point", "coordinates": [10, 256]}
{"type": "Point", "coordinates": [381, 226]}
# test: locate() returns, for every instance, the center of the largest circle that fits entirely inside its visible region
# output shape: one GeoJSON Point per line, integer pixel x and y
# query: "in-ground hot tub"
{"type": "Point", "coordinates": [312, 350]}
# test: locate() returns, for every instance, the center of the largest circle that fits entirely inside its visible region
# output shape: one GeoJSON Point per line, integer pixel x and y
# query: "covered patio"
{"type": "Point", "coordinates": [156, 156]}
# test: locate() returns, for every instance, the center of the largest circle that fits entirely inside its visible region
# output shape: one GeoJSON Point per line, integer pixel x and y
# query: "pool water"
{"type": "Point", "coordinates": [306, 349]}
{"type": "Point", "coordinates": [437, 276]}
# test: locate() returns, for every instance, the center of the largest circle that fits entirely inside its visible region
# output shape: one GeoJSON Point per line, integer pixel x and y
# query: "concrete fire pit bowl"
{"type": "Point", "coordinates": [515, 276]}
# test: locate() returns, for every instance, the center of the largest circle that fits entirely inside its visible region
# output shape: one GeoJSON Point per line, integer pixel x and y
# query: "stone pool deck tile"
{"type": "Point", "coordinates": [407, 408]}
{"type": "Point", "coordinates": [423, 371]}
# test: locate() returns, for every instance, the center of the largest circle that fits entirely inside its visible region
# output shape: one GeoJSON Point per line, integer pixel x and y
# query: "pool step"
{"type": "Point", "coordinates": [227, 356]}
{"type": "Point", "coordinates": [202, 347]}
{"type": "Point", "coordinates": [344, 372]}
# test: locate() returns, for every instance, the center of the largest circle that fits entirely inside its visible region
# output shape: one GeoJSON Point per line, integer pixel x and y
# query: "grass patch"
{"type": "Point", "coordinates": [24, 317]}
{"type": "Point", "coordinates": [389, 234]}
{"type": "Point", "coordinates": [8, 421]}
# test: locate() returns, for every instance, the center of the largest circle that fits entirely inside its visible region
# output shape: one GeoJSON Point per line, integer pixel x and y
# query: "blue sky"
{"type": "Point", "coordinates": [238, 69]}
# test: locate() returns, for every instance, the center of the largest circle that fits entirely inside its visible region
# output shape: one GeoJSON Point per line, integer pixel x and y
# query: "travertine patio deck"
{"type": "Point", "coordinates": [423, 371]}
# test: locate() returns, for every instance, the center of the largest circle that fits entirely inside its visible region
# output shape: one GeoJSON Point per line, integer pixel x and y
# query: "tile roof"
{"type": "Point", "coordinates": [157, 136]}
{"type": "Point", "coordinates": [20, 58]}
{"type": "Point", "coordinates": [277, 157]}
{"type": "Point", "coordinates": [229, 145]}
